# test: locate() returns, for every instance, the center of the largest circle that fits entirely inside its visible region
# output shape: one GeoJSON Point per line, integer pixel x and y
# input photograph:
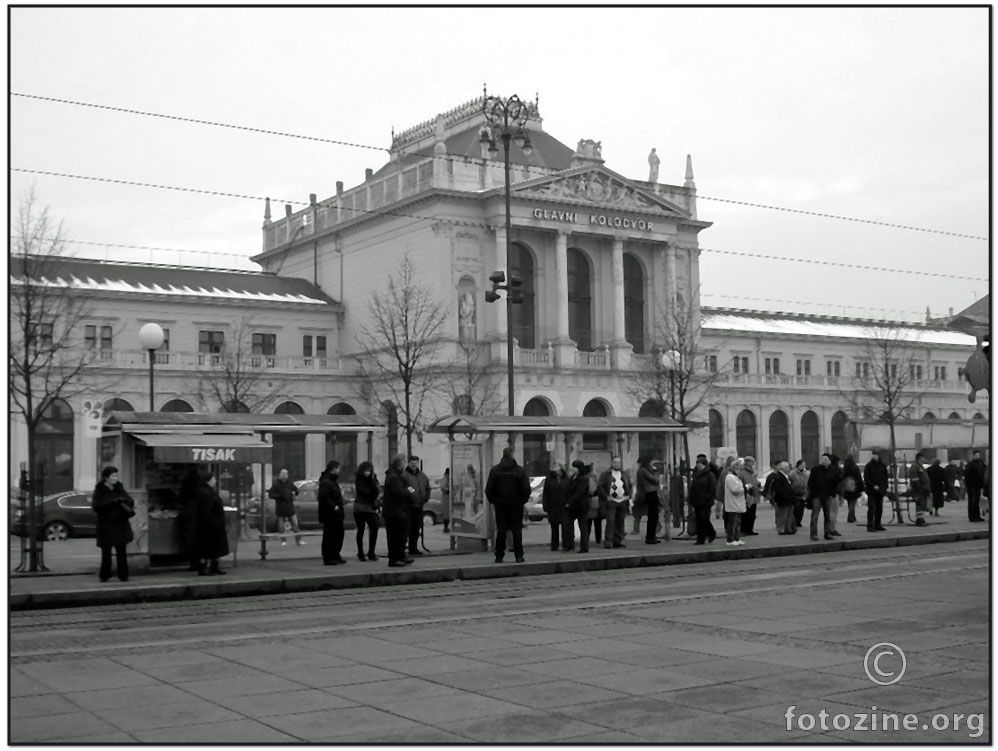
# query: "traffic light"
{"type": "Point", "coordinates": [515, 293]}
{"type": "Point", "coordinates": [497, 278]}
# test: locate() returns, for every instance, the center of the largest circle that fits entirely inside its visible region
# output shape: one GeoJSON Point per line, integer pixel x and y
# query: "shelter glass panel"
{"type": "Point", "coordinates": [779, 437]}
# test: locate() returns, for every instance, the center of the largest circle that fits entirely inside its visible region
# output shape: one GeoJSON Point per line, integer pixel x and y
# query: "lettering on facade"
{"type": "Point", "coordinates": [601, 220]}
{"type": "Point", "coordinates": [213, 455]}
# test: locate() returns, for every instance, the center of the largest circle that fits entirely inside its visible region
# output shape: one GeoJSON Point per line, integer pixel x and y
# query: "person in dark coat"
{"type": "Point", "coordinates": [822, 489]}
{"type": "Point", "coordinates": [952, 482]}
{"type": "Point", "coordinates": [553, 502]}
{"type": "Point", "coordinates": [647, 488]}
{"type": "Point", "coordinates": [396, 509]}
{"type": "Point", "coordinates": [508, 490]}
{"type": "Point", "coordinates": [577, 507]}
{"type": "Point", "coordinates": [875, 480]}
{"type": "Point", "coordinates": [114, 507]}
{"type": "Point", "coordinates": [331, 513]}
{"type": "Point", "coordinates": [211, 540]}
{"type": "Point", "coordinates": [188, 516]}
{"type": "Point", "coordinates": [283, 493]}
{"type": "Point", "coordinates": [937, 484]}
{"type": "Point", "coordinates": [974, 475]}
{"type": "Point", "coordinates": [367, 501]}
{"type": "Point", "coordinates": [851, 491]}
{"type": "Point", "coordinates": [919, 486]}
{"type": "Point", "coordinates": [703, 489]}
{"type": "Point", "coordinates": [420, 484]}
{"type": "Point", "coordinates": [782, 493]}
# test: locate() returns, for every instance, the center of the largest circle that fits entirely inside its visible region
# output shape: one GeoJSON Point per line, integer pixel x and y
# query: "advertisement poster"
{"type": "Point", "coordinates": [469, 511]}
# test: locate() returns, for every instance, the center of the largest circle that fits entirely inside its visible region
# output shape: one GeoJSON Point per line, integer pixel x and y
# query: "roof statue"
{"type": "Point", "coordinates": [653, 162]}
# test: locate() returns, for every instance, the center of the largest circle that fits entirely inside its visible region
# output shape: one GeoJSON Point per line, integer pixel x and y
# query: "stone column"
{"type": "Point", "coordinates": [564, 347]}
{"type": "Point", "coordinates": [670, 280]}
{"type": "Point", "coordinates": [620, 349]}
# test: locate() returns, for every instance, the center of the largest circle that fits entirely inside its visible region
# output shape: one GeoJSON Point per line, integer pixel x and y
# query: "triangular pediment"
{"type": "Point", "coordinates": [597, 186]}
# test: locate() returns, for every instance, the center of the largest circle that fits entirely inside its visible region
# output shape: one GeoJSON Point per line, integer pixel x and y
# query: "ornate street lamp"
{"type": "Point", "coordinates": [507, 117]}
{"type": "Point", "coordinates": [151, 338]}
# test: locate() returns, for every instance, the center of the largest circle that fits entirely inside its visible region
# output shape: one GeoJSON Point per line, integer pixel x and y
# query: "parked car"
{"type": "Point", "coordinates": [63, 515]}
{"type": "Point", "coordinates": [306, 507]}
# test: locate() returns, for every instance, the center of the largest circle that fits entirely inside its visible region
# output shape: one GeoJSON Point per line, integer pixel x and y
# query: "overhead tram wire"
{"type": "Point", "coordinates": [475, 160]}
{"type": "Point", "coordinates": [469, 223]}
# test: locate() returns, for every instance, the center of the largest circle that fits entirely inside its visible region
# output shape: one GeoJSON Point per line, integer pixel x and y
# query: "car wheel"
{"type": "Point", "coordinates": [55, 531]}
{"type": "Point", "coordinates": [429, 518]}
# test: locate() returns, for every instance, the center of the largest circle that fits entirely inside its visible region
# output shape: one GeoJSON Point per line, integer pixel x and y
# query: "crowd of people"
{"type": "Point", "coordinates": [574, 499]}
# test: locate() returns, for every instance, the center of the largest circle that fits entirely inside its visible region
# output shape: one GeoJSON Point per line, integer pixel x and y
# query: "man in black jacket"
{"type": "Point", "coordinates": [783, 496]}
{"type": "Point", "coordinates": [330, 502]}
{"type": "Point", "coordinates": [822, 488]}
{"type": "Point", "coordinates": [508, 490]}
{"type": "Point", "coordinates": [703, 488]}
{"type": "Point", "coordinates": [875, 481]}
{"type": "Point", "coordinates": [973, 477]}
{"type": "Point", "coordinates": [396, 508]}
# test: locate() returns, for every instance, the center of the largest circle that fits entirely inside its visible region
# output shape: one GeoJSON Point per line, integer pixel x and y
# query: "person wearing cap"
{"type": "Point", "coordinates": [577, 508]}
{"type": "Point", "coordinates": [508, 490]}
{"type": "Point", "coordinates": [875, 479]}
{"type": "Point", "coordinates": [647, 482]}
{"type": "Point", "coordinates": [396, 508]}
{"type": "Point", "coordinates": [420, 484]}
{"type": "Point", "coordinates": [734, 503]}
{"type": "Point", "coordinates": [331, 512]}
{"type": "Point", "coordinates": [614, 489]}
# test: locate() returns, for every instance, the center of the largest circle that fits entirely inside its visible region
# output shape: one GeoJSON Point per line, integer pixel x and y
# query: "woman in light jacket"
{"type": "Point", "coordinates": [734, 503]}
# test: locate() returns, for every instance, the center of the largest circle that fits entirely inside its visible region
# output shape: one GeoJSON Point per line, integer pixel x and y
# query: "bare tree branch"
{"type": "Point", "coordinates": [475, 380]}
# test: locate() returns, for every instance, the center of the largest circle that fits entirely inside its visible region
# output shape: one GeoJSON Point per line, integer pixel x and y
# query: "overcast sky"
{"type": "Point", "coordinates": [873, 114]}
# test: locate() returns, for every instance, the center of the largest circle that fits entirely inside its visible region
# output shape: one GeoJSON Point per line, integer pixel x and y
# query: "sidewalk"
{"type": "Point", "coordinates": [73, 564]}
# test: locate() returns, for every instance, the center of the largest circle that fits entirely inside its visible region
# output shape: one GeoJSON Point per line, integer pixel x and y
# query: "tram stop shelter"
{"type": "Point", "coordinates": [476, 443]}
{"type": "Point", "coordinates": [155, 451]}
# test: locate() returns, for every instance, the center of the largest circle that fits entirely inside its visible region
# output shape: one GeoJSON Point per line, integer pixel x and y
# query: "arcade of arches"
{"type": "Point", "coordinates": [844, 439]}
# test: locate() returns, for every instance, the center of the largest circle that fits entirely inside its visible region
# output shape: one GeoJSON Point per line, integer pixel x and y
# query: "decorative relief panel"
{"type": "Point", "coordinates": [594, 187]}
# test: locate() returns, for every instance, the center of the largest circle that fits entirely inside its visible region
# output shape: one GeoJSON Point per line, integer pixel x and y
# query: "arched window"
{"type": "Point", "coordinates": [779, 437]}
{"type": "Point", "coordinates": [745, 434]}
{"type": "Point", "coordinates": [289, 448]}
{"type": "Point", "coordinates": [928, 417]}
{"type": "Point", "coordinates": [810, 438]}
{"type": "Point", "coordinates": [117, 405]}
{"type": "Point", "coordinates": [535, 454]}
{"type": "Point", "coordinates": [954, 416]}
{"type": "Point", "coordinates": [521, 266]}
{"type": "Point", "coordinates": [978, 416]}
{"type": "Point", "coordinates": [595, 441]}
{"type": "Point", "coordinates": [651, 443]}
{"type": "Point", "coordinates": [177, 405]}
{"type": "Point", "coordinates": [840, 437]}
{"type": "Point", "coordinates": [54, 449]}
{"type": "Point", "coordinates": [580, 307]}
{"type": "Point", "coordinates": [390, 414]}
{"type": "Point", "coordinates": [634, 303]}
{"type": "Point", "coordinates": [716, 426]}
{"type": "Point", "coordinates": [342, 446]}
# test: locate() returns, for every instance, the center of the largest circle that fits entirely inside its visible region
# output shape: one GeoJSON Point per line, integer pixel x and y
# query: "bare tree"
{"type": "Point", "coordinates": [678, 384]}
{"type": "Point", "coordinates": [475, 381]}
{"type": "Point", "coordinates": [237, 379]}
{"type": "Point", "coordinates": [885, 386]}
{"type": "Point", "coordinates": [398, 348]}
{"type": "Point", "coordinates": [46, 358]}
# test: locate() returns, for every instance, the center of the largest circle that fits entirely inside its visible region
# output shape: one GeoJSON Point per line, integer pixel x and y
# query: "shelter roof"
{"type": "Point", "coordinates": [729, 320]}
{"type": "Point", "coordinates": [974, 320]}
{"type": "Point", "coordinates": [524, 424]}
{"type": "Point", "coordinates": [150, 422]}
{"type": "Point", "coordinates": [154, 279]}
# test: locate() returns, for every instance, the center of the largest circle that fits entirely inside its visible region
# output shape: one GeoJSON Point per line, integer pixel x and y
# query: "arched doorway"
{"type": "Point", "coordinates": [289, 449]}
{"type": "Point", "coordinates": [715, 423]}
{"type": "Point", "coordinates": [595, 441]}
{"type": "Point", "coordinates": [536, 458]}
{"type": "Point", "coordinates": [779, 437]}
{"type": "Point", "coordinates": [810, 438]}
{"type": "Point", "coordinates": [840, 434]}
{"type": "Point", "coordinates": [54, 449]}
{"type": "Point", "coordinates": [342, 446]}
{"type": "Point", "coordinates": [177, 405]}
{"type": "Point", "coordinates": [580, 309]}
{"type": "Point", "coordinates": [390, 414]}
{"type": "Point", "coordinates": [745, 434]}
{"type": "Point", "coordinates": [651, 443]}
{"type": "Point", "coordinates": [521, 266]}
{"type": "Point", "coordinates": [634, 303]}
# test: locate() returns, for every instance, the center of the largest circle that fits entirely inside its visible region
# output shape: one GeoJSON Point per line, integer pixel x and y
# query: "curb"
{"type": "Point", "coordinates": [575, 564]}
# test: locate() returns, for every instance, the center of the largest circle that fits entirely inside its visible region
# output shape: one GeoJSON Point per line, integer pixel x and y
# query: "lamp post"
{"type": "Point", "coordinates": [151, 338]}
{"type": "Point", "coordinates": [507, 116]}
{"type": "Point", "coordinates": [671, 360]}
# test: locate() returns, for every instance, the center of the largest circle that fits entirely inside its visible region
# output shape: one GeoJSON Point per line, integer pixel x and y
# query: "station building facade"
{"type": "Point", "coordinates": [605, 261]}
